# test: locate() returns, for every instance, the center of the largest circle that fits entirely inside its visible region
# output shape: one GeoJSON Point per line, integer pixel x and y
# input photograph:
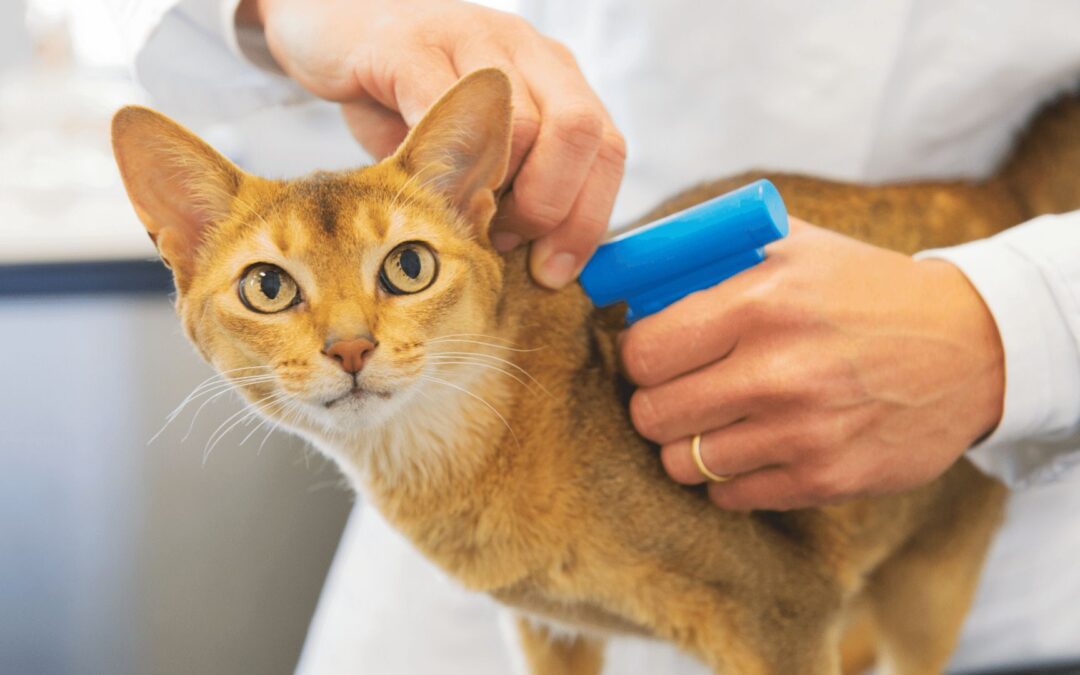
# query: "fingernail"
{"type": "Point", "coordinates": [558, 270]}
{"type": "Point", "coordinates": [505, 241]}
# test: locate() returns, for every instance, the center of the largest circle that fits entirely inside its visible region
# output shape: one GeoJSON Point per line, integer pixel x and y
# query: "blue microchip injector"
{"type": "Point", "coordinates": [656, 264]}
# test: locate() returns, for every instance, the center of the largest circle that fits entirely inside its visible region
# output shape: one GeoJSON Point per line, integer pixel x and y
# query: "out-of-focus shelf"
{"type": "Point", "coordinates": [98, 277]}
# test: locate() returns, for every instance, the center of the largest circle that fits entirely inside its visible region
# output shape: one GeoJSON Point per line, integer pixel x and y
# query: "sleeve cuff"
{"type": "Point", "coordinates": [190, 42]}
{"type": "Point", "coordinates": [1032, 302]}
{"type": "Point", "coordinates": [246, 42]}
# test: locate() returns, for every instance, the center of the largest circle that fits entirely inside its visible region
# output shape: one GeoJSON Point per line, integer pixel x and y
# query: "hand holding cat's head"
{"type": "Point", "coordinates": [326, 296]}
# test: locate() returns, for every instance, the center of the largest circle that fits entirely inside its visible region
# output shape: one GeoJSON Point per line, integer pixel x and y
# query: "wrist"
{"type": "Point", "coordinates": [968, 322]}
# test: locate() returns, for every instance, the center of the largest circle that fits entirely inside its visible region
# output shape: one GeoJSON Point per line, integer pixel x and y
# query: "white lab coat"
{"type": "Point", "coordinates": [855, 90]}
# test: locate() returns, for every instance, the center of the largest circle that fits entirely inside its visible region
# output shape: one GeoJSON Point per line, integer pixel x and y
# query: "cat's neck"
{"type": "Point", "coordinates": [443, 437]}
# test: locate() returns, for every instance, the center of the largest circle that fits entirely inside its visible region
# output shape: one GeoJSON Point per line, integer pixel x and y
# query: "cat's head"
{"type": "Point", "coordinates": [322, 297]}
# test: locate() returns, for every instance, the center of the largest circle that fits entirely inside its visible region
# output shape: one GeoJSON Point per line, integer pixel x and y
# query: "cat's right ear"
{"type": "Point", "coordinates": [461, 147]}
{"type": "Point", "coordinates": [178, 184]}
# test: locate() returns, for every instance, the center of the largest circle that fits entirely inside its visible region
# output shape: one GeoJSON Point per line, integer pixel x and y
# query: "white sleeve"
{"type": "Point", "coordinates": [174, 44]}
{"type": "Point", "coordinates": [1029, 277]}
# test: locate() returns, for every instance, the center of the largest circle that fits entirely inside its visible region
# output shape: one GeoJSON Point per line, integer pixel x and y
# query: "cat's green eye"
{"type": "Point", "coordinates": [268, 289]}
{"type": "Point", "coordinates": [410, 268]}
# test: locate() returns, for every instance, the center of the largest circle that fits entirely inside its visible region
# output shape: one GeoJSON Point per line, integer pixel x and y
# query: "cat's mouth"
{"type": "Point", "coordinates": [357, 393]}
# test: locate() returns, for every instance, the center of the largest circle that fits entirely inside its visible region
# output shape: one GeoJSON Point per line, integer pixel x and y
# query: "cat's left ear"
{"type": "Point", "coordinates": [461, 147]}
{"type": "Point", "coordinates": [178, 184]}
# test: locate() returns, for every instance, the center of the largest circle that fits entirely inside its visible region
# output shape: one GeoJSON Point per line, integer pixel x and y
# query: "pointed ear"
{"type": "Point", "coordinates": [178, 184]}
{"type": "Point", "coordinates": [461, 147]}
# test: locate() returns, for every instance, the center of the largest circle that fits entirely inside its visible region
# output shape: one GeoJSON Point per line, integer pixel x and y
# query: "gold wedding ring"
{"type": "Point", "coordinates": [695, 450]}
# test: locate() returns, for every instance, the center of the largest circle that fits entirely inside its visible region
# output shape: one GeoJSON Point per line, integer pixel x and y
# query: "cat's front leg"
{"type": "Point", "coordinates": [553, 651]}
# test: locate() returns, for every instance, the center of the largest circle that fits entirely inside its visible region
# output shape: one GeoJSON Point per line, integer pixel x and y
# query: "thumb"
{"type": "Point", "coordinates": [413, 84]}
{"type": "Point", "coordinates": [379, 130]}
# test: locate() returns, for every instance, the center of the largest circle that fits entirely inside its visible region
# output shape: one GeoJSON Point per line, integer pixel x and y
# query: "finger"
{"type": "Point", "coordinates": [421, 83]}
{"type": "Point", "coordinates": [773, 488]}
{"type": "Point", "coordinates": [557, 257]}
{"type": "Point", "coordinates": [378, 129]}
{"type": "Point", "coordinates": [408, 83]}
{"type": "Point", "coordinates": [712, 397]}
{"type": "Point", "coordinates": [525, 126]}
{"type": "Point", "coordinates": [734, 450]}
{"type": "Point", "coordinates": [571, 131]}
{"type": "Point", "coordinates": [701, 328]}
{"type": "Point", "coordinates": [554, 170]}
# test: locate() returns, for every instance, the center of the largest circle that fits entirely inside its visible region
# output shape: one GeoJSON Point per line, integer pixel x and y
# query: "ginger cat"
{"type": "Point", "coordinates": [485, 416]}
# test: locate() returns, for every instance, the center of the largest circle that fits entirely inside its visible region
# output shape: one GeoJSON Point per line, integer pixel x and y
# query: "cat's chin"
{"type": "Point", "coordinates": [357, 395]}
{"type": "Point", "coordinates": [358, 410]}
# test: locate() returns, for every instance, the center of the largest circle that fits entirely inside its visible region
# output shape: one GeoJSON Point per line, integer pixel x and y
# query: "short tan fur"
{"type": "Point", "coordinates": [489, 423]}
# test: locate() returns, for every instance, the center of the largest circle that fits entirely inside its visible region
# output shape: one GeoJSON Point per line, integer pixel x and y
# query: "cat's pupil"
{"type": "Point", "coordinates": [270, 284]}
{"type": "Point", "coordinates": [410, 263]}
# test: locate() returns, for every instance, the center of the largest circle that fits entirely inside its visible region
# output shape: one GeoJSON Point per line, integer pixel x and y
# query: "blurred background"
{"type": "Point", "coordinates": [117, 555]}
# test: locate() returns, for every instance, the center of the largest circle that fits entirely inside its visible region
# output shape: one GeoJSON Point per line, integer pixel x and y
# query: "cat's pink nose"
{"type": "Point", "coordinates": [350, 354]}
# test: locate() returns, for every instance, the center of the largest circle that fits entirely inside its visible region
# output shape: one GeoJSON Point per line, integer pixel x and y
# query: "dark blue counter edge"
{"type": "Point", "coordinates": [99, 277]}
{"type": "Point", "coordinates": [1072, 668]}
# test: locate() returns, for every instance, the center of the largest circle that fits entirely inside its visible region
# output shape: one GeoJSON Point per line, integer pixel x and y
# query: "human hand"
{"type": "Point", "coordinates": [834, 369]}
{"type": "Point", "coordinates": [387, 62]}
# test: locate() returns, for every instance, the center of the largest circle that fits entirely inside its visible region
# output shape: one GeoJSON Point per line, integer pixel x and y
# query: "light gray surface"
{"type": "Point", "coordinates": [118, 557]}
{"type": "Point", "coordinates": [15, 48]}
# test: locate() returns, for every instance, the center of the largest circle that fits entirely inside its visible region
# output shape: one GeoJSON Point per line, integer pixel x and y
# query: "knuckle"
{"type": "Point", "coordinates": [514, 35]}
{"type": "Point", "coordinates": [736, 497]}
{"type": "Point", "coordinates": [762, 303]}
{"type": "Point", "coordinates": [561, 51]}
{"type": "Point", "coordinates": [514, 25]}
{"type": "Point", "coordinates": [613, 147]}
{"type": "Point", "coordinates": [644, 415]}
{"type": "Point", "coordinates": [776, 379]}
{"type": "Point", "coordinates": [587, 229]}
{"type": "Point", "coordinates": [579, 126]}
{"type": "Point", "coordinates": [750, 309]}
{"type": "Point", "coordinates": [823, 484]}
{"type": "Point", "coordinates": [541, 211]}
{"type": "Point", "coordinates": [525, 129]}
{"type": "Point", "coordinates": [725, 498]}
{"type": "Point", "coordinates": [633, 352]}
{"type": "Point", "coordinates": [675, 464]}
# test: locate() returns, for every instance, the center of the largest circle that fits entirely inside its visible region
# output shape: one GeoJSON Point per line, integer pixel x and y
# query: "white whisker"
{"type": "Point", "coordinates": [291, 412]}
{"type": "Point", "coordinates": [283, 401]}
{"type": "Point", "coordinates": [498, 359]}
{"type": "Point", "coordinates": [252, 432]}
{"type": "Point", "coordinates": [212, 441]}
{"type": "Point", "coordinates": [248, 411]}
{"type": "Point", "coordinates": [478, 398]}
{"type": "Point", "coordinates": [462, 361]}
{"type": "Point", "coordinates": [224, 389]}
{"type": "Point", "coordinates": [285, 407]}
{"type": "Point", "coordinates": [449, 338]}
{"type": "Point", "coordinates": [217, 383]}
